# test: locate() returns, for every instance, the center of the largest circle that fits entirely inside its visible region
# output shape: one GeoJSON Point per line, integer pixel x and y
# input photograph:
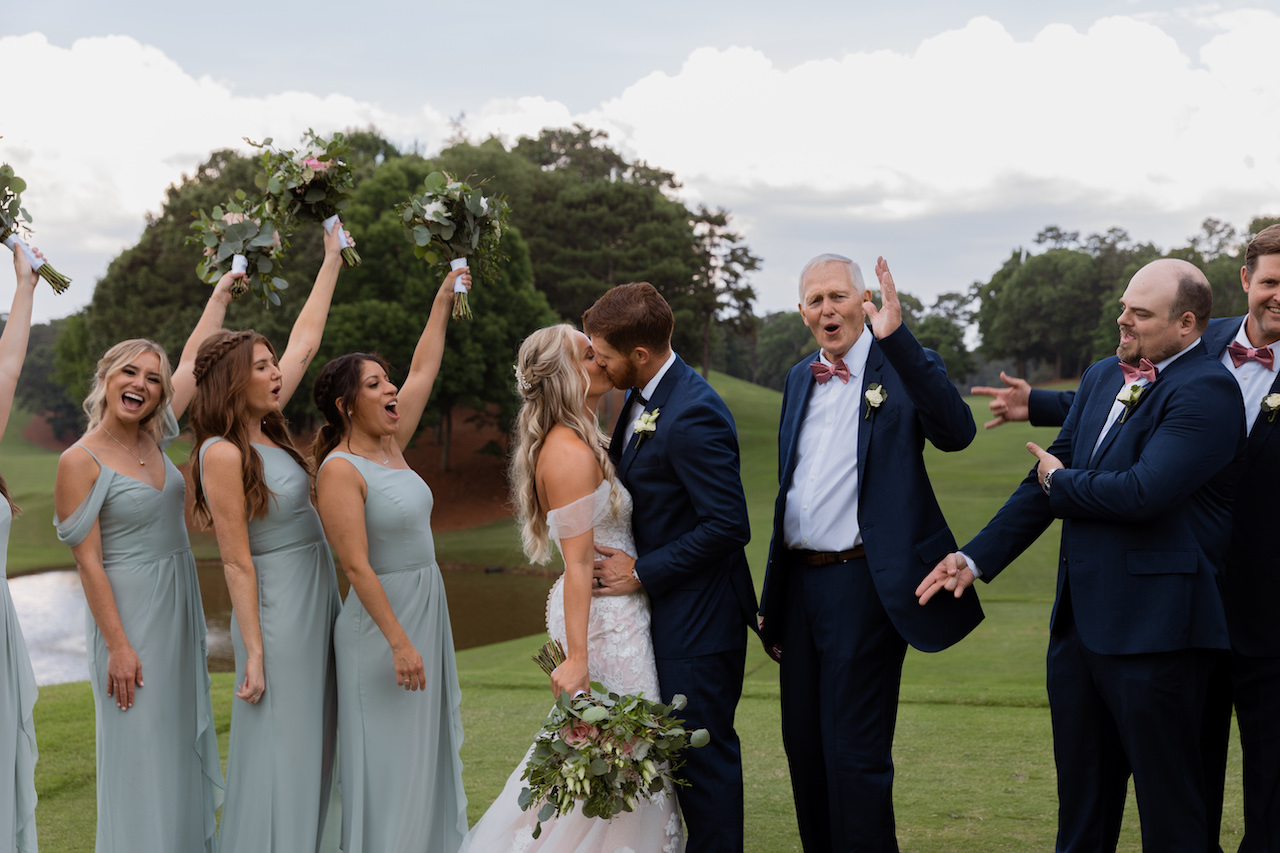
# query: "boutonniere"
{"type": "Point", "coordinates": [645, 424]}
{"type": "Point", "coordinates": [876, 395]}
{"type": "Point", "coordinates": [1129, 396]}
{"type": "Point", "coordinates": [1271, 405]}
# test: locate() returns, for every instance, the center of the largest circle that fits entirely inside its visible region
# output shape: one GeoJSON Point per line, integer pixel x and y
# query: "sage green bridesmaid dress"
{"type": "Point", "coordinates": [17, 730]}
{"type": "Point", "coordinates": [159, 777]}
{"type": "Point", "coordinates": [401, 773]}
{"type": "Point", "coordinates": [281, 753]}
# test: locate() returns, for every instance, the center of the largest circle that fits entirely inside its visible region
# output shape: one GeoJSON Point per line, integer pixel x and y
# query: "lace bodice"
{"type": "Point", "coordinates": [619, 648]}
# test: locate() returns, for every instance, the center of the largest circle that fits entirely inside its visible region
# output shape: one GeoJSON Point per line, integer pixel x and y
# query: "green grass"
{"type": "Point", "coordinates": [973, 747]}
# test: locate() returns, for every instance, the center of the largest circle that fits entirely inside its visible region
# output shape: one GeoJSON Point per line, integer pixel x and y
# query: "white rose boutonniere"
{"type": "Point", "coordinates": [876, 395]}
{"type": "Point", "coordinates": [1129, 396]}
{"type": "Point", "coordinates": [1271, 405]}
{"type": "Point", "coordinates": [645, 424]}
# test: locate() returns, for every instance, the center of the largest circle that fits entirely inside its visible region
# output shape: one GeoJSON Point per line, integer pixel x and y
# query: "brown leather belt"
{"type": "Point", "coordinates": [825, 558]}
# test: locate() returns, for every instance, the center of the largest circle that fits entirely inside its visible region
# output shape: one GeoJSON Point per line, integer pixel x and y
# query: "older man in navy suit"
{"type": "Point", "coordinates": [1245, 347]}
{"type": "Point", "coordinates": [1142, 475]}
{"type": "Point", "coordinates": [855, 528]}
{"type": "Point", "coordinates": [676, 451]}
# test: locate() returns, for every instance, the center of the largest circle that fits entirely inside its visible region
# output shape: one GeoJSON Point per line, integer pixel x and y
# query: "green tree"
{"type": "Point", "coordinates": [781, 341]}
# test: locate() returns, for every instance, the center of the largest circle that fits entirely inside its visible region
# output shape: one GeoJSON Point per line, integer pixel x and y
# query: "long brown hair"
{"type": "Point", "coordinates": [223, 367]}
{"type": "Point", "coordinates": [338, 380]}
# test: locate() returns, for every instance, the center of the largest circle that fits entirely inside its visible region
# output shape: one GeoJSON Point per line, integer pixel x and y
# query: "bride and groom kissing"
{"type": "Point", "coordinates": [656, 595]}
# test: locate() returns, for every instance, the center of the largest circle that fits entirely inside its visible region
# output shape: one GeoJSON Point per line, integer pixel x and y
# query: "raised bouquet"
{"type": "Point", "coordinates": [14, 220]}
{"type": "Point", "coordinates": [454, 223]}
{"type": "Point", "coordinates": [602, 750]}
{"type": "Point", "coordinates": [244, 235]}
{"type": "Point", "coordinates": [313, 185]}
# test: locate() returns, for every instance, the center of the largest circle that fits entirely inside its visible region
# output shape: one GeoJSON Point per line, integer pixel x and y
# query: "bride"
{"type": "Point", "coordinates": [564, 489]}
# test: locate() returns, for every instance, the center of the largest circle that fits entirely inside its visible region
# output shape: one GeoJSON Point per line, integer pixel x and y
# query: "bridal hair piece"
{"type": "Point", "coordinates": [549, 363]}
{"type": "Point", "coordinates": [521, 382]}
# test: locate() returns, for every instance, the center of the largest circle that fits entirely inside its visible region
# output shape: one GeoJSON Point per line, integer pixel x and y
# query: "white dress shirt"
{"type": "Point", "coordinates": [635, 410]}
{"type": "Point", "coordinates": [822, 498]}
{"type": "Point", "coordinates": [1255, 380]}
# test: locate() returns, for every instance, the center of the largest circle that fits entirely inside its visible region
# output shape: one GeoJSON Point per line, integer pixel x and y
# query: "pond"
{"type": "Point", "coordinates": [485, 606]}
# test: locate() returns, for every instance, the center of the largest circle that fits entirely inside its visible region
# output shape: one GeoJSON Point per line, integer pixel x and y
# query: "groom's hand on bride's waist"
{"type": "Point", "coordinates": [615, 572]}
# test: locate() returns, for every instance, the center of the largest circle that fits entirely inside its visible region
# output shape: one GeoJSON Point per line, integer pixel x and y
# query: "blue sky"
{"type": "Point", "coordinates": [941, 135]}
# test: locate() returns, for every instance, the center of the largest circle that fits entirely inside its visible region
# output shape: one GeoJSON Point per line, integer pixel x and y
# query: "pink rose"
{"type": "Point", "coordinates": [210, 251]}
{"type": "Point", "coordinates": [233, 218]}
{"type": "Point", "coordinates": [578, 735]}
{"type": "Point", "coordinates": [316, 165]}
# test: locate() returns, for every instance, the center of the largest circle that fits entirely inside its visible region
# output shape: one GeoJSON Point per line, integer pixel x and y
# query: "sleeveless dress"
{"type": "Point", "coordinates": [17, 729]}
{"type": "Point", "coordinates": [159, 777]}
{"type": "Point", "coordinates": [280, 758]}
{"type": "Point", "coordinates": [400, 770]}
{"type": "Point", "coordinates": [619, 656]}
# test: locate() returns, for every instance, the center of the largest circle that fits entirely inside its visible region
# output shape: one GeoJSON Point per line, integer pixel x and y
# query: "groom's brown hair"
{"type": "Point", "coordinates": [629, 316]}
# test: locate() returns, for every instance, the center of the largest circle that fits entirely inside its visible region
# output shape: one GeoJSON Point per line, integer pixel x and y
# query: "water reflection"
{"type": "Point", "coordinates": [484, 607]}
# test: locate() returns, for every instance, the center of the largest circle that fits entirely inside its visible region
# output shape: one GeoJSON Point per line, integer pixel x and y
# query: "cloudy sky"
{"type": "Point", "coordinates": [939, 134]}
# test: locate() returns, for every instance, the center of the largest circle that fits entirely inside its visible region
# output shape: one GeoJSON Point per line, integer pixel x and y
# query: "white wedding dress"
{"type": "Point", "coordinates": [619, 656]}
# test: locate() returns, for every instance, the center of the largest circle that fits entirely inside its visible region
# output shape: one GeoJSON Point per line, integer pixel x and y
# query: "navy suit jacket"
{"type": "Point", "coordinates": [1147, 519]}
{"type": "Point", "coordinates": [903, 530]}
{"type": "Point", "coordinates": [1253, 562]}
{"type": "Point", "coordinates": [690, 518]}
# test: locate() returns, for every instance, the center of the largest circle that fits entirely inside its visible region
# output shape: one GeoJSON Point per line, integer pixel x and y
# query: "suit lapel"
{"type": "Point", "coordinates": [875, 365]}
{"type": "Point", "coordinates": [657, 401]}
{"type": "Point", "coordinates": [1095, 418]}
{"type": "Point", "coordinates": [1264, 424]}
{"type": "Point", "coordinates": [620, 432]}
{"type": "Point", "coordinates": [802, 385]}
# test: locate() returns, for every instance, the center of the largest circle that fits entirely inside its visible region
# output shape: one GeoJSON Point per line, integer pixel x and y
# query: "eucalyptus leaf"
{"type": "Point", "coordinates": [274, 297]}
{"type": "Point", "coordinates": [264, 265]}
{"type": "Point", "coordinates": [547, 811]}
{"type": "Point", "coordinates": [18, 185]}
{"type": "Point", "coordinates": [279, 283]}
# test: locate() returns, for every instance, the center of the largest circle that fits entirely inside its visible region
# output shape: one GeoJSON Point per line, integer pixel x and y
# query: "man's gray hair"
{"type": "Point", "coordinates": [852, 269]}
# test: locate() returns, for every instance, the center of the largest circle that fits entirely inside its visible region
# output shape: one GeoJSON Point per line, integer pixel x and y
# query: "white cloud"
{"type": "Point", "coordinates": [1112, 125]}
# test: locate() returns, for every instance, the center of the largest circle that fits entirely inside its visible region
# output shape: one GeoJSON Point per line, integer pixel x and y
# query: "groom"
{"type": "Point", "coordinates": [676, 450]}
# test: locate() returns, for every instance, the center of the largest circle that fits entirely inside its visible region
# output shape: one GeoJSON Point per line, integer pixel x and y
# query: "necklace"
{"type": "Point", "coordinates": [141, 461]}
{"type": "Point", "coordinates": [386, 460]}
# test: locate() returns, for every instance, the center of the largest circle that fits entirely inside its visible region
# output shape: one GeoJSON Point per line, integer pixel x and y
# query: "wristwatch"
{"type": "Point", "coordinates": [1047, 482]}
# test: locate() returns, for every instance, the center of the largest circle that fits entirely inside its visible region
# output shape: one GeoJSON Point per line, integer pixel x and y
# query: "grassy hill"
{"type": "Point", "coordinates": [973, 747]}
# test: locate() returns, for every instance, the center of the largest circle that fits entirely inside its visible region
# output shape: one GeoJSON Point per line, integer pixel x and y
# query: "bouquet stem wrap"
{"type": "Point", "coordinates": [350, 258]}
{"type": "Point", "coordinates": [56, 280]}
{"type": "Point", "coordinates": [461, 308]}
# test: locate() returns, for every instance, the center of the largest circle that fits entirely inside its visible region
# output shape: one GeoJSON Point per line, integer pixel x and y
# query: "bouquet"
{"type": "Point", "coordinates": [452, 222]}
{"type": "Point", "coordinates": [312, 186]}
{"type": "Point", "coordinates": [242, 236]}
{"type": "Point", "coordinates": [602, 749]}
{"type": "Point", "coordinates": [14, 218]}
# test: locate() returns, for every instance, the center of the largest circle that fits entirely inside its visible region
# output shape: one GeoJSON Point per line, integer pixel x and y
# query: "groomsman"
{"type": "Point", "coordinates": [1141, 475]}
{"type": "Point", "coordinates": [855, 528]}
{"type": "Point", "coordinates": [1245, 347]}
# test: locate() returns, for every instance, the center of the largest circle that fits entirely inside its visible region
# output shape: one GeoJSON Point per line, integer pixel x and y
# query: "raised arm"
{"type": "Point", "coordinates": [416, 390]}
{"type": "Point", "coordinates": [568, 473]}
{"type": "Point", "coordinates": [308, 329]}
{"type": "Point", "coordinates": [77, 472]}
{"type": "Point", "coordinates": [223, 480]}
{"type": "Point", "coordinates": [17, 330]}
{"type": "Point", "coordinates": [340, 497]}
{"type": "Point", "coordinates": [215, 311]}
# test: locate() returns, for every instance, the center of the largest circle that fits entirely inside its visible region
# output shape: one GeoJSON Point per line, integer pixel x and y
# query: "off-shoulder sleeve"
{"type": "Point", "coordinates": [577, 517]}
{"type": "Point", "coordinates": [76, 526]}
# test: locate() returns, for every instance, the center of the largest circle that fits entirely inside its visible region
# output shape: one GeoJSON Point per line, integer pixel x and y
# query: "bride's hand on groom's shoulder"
{"type": "Point", "coordinates": [614, 572]}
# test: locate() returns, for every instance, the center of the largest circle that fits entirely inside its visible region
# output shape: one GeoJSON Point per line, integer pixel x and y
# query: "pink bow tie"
{"type": "Point", "coordinates": [1240, 354]}
{"type": "Point", "coordinates": [822, 373]}
{"type": "Point", "coordinates": [1145, 370]}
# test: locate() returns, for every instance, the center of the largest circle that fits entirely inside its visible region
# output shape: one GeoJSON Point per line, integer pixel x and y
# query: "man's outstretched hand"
{"type": "Point", "coordinates": [1008, 404]}
{"type": "Point", "coordinates": [952, 574]}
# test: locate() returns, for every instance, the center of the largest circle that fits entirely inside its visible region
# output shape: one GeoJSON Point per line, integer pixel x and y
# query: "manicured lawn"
{"type": "Point", "coordinates": [973, 747]}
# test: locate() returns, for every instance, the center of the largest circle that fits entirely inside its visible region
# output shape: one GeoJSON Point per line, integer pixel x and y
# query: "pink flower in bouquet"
{"type": "Point", "coordinates": [578, 735]}
{"type": "Point", "coordinates": [316, 165]}
{"type": "Point", "coordinates": [233, 218]}
{"type": "Point", "coordinates": [210, 251]}
{"type": "Point", "coordinates": [275, 242]}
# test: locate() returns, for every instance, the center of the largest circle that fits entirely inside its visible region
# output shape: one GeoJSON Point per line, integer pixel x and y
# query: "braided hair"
{"type": "Point", "coordinates": [222, 369]}
{"type": "Point", "coordinates": [338, 380]}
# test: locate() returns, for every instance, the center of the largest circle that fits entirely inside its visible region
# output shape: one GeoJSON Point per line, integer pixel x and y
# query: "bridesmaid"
{"type": "Point", "coordinates": [399, 726]}
{"type": "Point", "coordinates": [255, 488]}
{"type": "Point", "coordinates": [120, 506]}
{"type": "Point", "coordinates": [17, 681]}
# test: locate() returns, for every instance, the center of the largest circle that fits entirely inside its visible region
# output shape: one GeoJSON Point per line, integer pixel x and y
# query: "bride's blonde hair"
{"type": "Point", "coordinates": [552, 384]}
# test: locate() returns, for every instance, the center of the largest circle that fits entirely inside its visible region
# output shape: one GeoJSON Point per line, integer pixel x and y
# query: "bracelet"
{"type": "Point", "coordinates": [1047, 482]}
